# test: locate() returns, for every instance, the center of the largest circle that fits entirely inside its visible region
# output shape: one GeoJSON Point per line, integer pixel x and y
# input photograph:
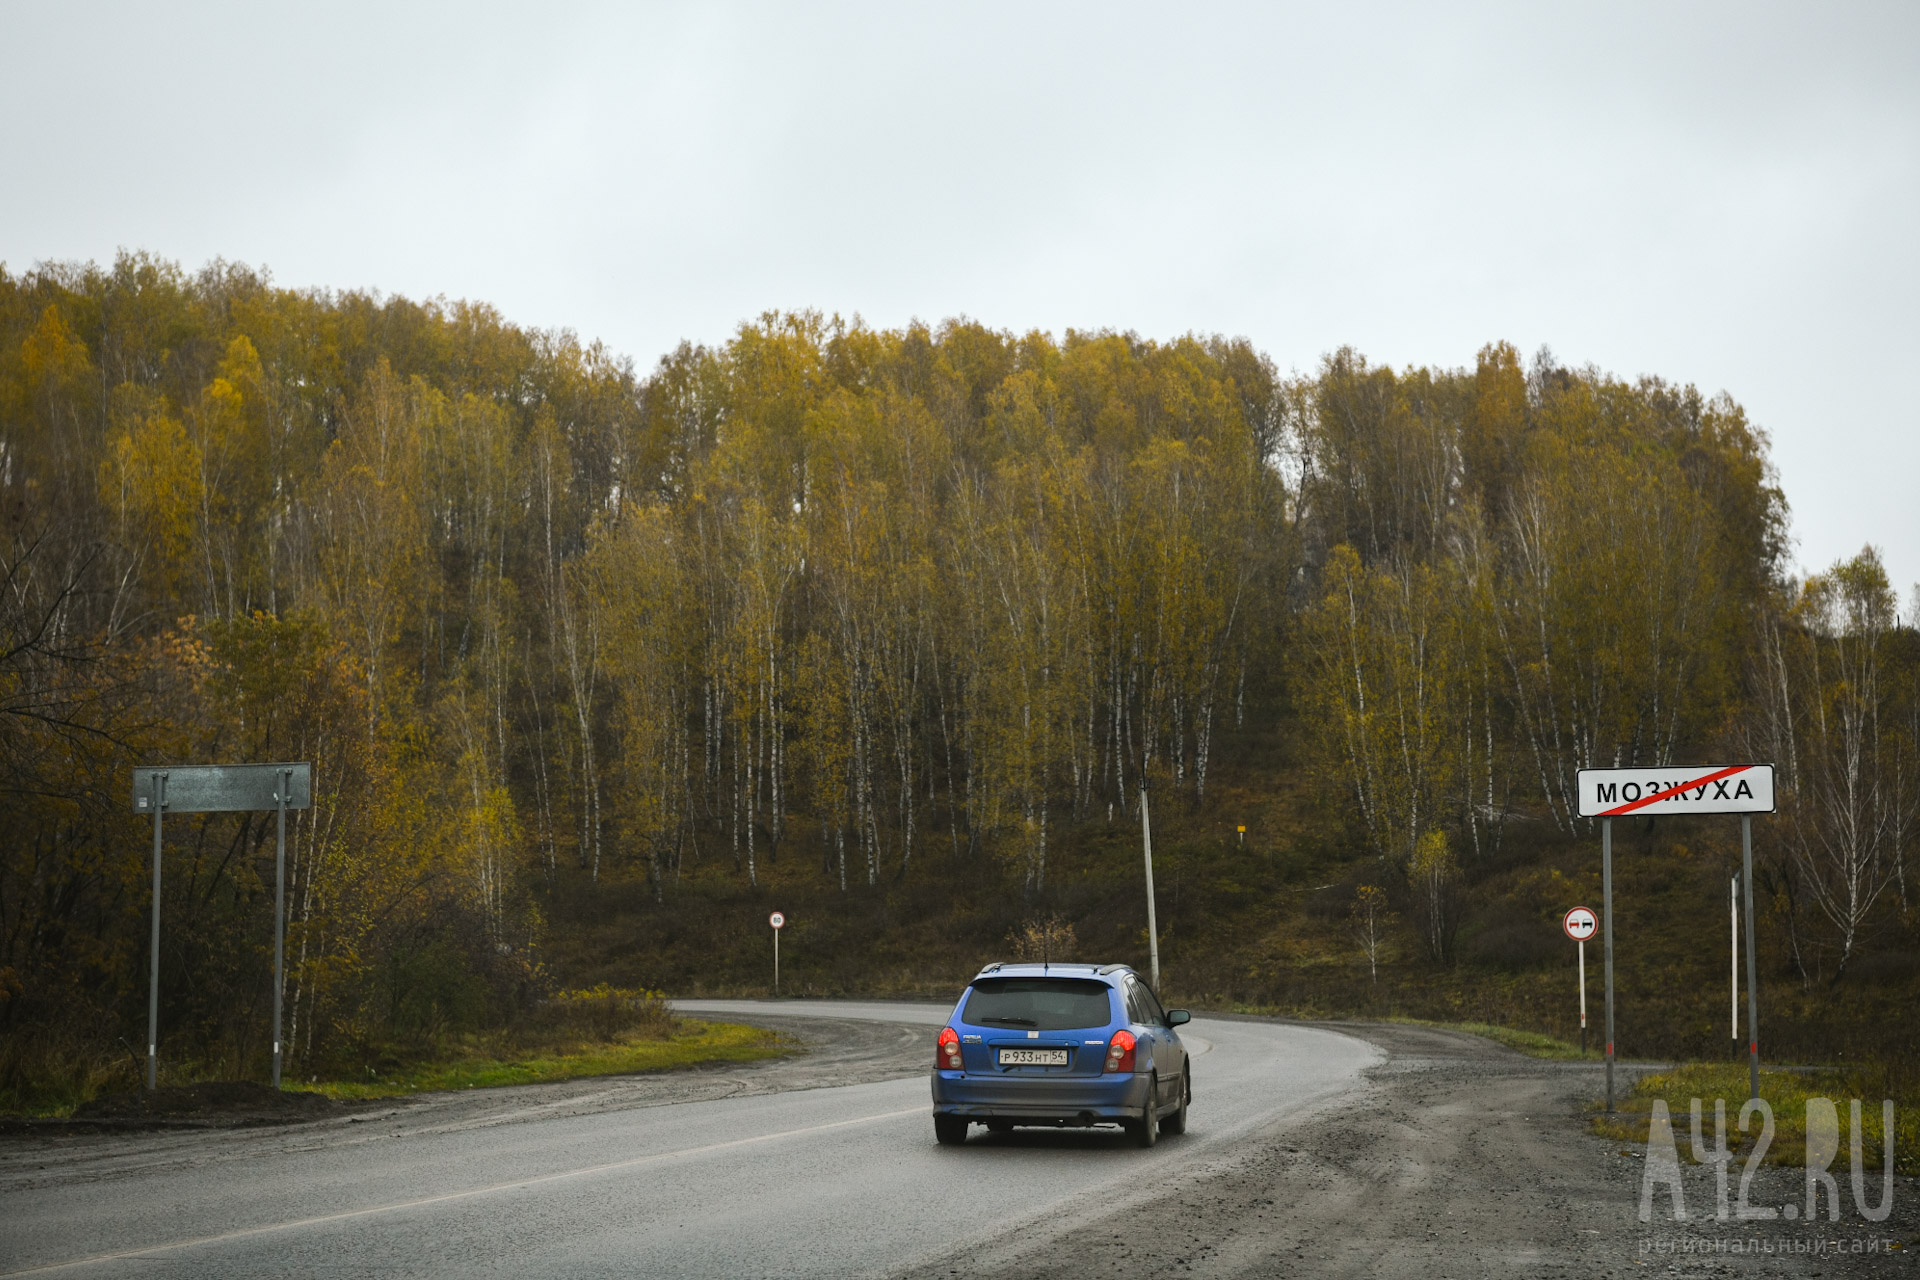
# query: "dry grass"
{"type": "Point", "coordinates": [1786, 1092]}
{"type": "Point", "coordinates": [688, 1044]}
{"type": "Point", "coordinates": [602, 1030]}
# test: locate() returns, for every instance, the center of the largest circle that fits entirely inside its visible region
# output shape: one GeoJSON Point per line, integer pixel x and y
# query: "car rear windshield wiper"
{"type": "Point", "coordinates": [1011, 1022]}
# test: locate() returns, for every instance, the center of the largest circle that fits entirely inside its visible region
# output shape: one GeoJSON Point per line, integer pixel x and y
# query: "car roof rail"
{"type": "Point", "coordinates": [1061, 964]}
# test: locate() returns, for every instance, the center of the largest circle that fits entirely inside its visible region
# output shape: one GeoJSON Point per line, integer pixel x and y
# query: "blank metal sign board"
{"type": "Point", "coordinates": [223, 788]}
{"type": "Point", "coordinates": [1706, 788]}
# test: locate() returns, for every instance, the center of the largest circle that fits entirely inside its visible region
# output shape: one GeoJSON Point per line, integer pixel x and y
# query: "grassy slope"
{"type": "Point", "coordinates": [1261, 925]}
{"type": "Point", "coordinates": [478, 1062]}
{"type": "Point", "coordinates": [692, 1043]}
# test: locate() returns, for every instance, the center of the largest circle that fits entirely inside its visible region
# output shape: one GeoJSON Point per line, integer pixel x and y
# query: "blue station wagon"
{"type": "Point", "coordinates": [1061, 1045]}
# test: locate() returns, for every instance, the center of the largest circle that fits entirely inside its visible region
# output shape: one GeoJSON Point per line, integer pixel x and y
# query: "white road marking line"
{"type": "Point", "coordinates": [468, 1194]}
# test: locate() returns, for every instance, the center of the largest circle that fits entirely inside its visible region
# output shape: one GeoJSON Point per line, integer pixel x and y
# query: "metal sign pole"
{"type": "Point", "coordinates": [776, 922]}
{"type": "Point", "coordinates": [222, 788]}
{"type": "Point", "coordinates": [1753, 968]}
{"type": "Point", "coordinates": [153, 961]}
{"type": "Point", "coordinates": [280, 915]}
{"type": "Point", "coordinates": [1582, 944]}
{"type": "Point", "coordinates": [1745, 789]}
{"type": "Point", "coordinates": [1606, 908]}
{"type": "Point", "coordinates": [1733, 970]}
{"type": "Point", "coordinates": [1153, 929]}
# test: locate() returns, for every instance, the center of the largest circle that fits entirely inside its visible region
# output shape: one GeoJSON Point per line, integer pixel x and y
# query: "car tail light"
{"type": "Point", "coordinates": [1120, 1051]}
{"type": "Point", "coordinates": [946, 1054]}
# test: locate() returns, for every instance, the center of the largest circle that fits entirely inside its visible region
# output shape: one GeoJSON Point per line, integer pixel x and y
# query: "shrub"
{"type": "Point", "coordinates": [606, 1012]}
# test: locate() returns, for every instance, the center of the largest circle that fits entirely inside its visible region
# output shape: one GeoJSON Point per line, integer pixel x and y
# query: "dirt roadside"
{"type": "Point", "coordinates": [1460, 1158]}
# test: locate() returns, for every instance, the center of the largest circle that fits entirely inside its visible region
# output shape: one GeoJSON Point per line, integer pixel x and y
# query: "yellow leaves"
{"type": "Point", "coordinates": [1614, 612]}
{"type": "Point", "coordinates": [52, 353]}
{"type": "Point", "coordinates": [185, 650]}
{"type": "Point", "coordinates": [1392, 665]}
{"type": "Point", "coordinates": [1048, 937]}
{"type": "Point", "coordinates": [1433, 858]}
{"type": "Point", "coordinates": [152, 478]}
{"type": "Point", "coordinates": [1852, 600]}
{"type": "Point", "coordinates": [228, 425]}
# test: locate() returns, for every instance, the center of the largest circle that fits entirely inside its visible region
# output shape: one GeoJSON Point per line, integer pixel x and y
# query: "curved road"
{"type": "Point", "coordinates": [833, 1180]}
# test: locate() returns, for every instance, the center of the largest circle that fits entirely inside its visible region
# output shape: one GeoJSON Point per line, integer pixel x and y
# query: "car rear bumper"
{"type": "Point", "coordinates": [1055, 1099]}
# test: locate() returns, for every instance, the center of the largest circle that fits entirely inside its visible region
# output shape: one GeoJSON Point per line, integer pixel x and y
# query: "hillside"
{"type": "Point", "coordinates": [887, 629]}
{"type": "Point", "coordinates": [1268, 926]}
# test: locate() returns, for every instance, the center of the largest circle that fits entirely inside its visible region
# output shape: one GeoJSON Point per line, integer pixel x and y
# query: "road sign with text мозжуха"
{"type": "Point", "coordinates": [1745, 789]}
{"type": "Point", "coordinates": [1705, 788]}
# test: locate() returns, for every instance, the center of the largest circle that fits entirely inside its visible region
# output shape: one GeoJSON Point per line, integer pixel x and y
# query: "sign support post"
{"type": "Point", "coordinates": [1583, 995]}
{"type": "Point", "coordinates": [280, 911]}
{"type": "Point", "coordinates": [1579, 924]}
{"type": "Point", "coordinates": [158, 798]}
{"type": "Point", "coordinates": [1733, 971]}
{"type": "Point", "coordinates": [222, 788]}
{"type": "Point", "coordinates": [1606, 917]}
{"type": "Point", "coordinates": [1153, 929]}
{"type": "Point", "coordinates": [1745, 789]}
{"type": "Point", "coordinates": [778, 921]}
{"type": "Point", "coordinates": [1753, 967]}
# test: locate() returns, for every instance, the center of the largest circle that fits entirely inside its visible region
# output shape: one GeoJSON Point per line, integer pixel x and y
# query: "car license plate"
{"type": "Point", "coordinates": [1033, 1057]}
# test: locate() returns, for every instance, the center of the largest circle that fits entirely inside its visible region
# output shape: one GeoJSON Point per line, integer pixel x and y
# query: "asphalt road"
{"type": "Point", "coordinates": [809, 1177]}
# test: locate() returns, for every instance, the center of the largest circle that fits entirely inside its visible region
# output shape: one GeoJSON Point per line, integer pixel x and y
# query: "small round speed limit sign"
{"type": "Point", "coordinates": [1580, 923]}
{"type": "Point", "coordinates": [776, 919]}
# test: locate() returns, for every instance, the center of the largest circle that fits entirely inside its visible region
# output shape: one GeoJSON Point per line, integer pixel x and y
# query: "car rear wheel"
{"type": "Point", "coordinates": [1177, 1122]}
{"type": "Point", "coordinates": [1146, 1130]}
{"type": "Point", "coordinates": [949, 1131]}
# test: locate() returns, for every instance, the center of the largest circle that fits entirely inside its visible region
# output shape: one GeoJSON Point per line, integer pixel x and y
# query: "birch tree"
{"type": "Point", "coordinates": [1832, 718]}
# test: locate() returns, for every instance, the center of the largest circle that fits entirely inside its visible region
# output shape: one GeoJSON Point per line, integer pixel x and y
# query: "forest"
{"type": "Point", "coordinates": [892, 629]}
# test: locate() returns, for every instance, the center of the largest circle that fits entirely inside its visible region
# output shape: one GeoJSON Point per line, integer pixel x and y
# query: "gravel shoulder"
{"type": "Point", "coordinates": [1458, 1158]}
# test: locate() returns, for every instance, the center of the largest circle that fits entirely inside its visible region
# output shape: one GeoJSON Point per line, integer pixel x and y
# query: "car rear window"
{"type": "Point", "coordinates": [1038, 1004]}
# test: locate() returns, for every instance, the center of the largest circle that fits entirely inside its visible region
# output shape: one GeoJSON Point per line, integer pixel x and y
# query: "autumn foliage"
{"type": "Point", "coordinates": [908, 605]}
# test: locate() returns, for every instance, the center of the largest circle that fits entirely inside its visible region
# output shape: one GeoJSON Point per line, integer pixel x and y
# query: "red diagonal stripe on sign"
{"type": "Point", "coordinates": [1644, 801]}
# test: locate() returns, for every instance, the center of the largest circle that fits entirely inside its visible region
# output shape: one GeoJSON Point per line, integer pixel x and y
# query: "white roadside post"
{"type": "Point", "coordinates": [1153, 929]}
{"type": "Point", "coordinates": [778, 922]}
{"type": "Point", "coordinates": [1733, 947]}
{"type": "Point", "coordinates": [1578, 924]}
{"type": "Point", "coordinates": [1745, 789]}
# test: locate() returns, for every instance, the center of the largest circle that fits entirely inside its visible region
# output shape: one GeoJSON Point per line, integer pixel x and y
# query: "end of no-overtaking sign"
{"type": "Point", "coordinates": [1580, 923]}
{"type": "Point", "coordinates": [1619, 793]}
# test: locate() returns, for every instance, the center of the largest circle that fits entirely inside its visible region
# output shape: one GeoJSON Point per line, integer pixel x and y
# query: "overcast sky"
{"type": "Point", "coordinates": [1722, 195]}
